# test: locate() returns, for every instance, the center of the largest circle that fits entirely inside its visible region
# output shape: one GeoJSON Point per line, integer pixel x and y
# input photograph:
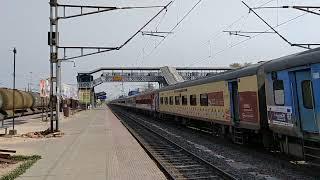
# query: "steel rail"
{"type": "Point", "coordinates": [170, 169]}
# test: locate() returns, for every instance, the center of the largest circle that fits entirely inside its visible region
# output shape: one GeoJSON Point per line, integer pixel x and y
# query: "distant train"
{"type": "Point", "coordinates": [275, 103]}
{"type": "Point", "coordinates": [25, 103]}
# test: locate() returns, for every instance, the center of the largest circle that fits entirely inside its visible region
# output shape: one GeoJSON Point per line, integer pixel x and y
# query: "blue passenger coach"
{"type": "Point", "coordinates": [293, 102]}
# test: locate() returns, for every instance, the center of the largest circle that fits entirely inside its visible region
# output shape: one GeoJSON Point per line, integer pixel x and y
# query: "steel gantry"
{"type": "Point", "coordinates": [59, 12]}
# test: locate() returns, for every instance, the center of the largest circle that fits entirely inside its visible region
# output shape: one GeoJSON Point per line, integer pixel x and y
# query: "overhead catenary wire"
{"type": "Point", "coordinates": [161, 19]}
{"type": "Point", "coordinates": [245, 40]}
{"type": "Point", "coordinates": [216, 35]}
{"type": "Point", "coordinates": [220, 31]}
{"type": "Point", "coordinates": [176, 26]}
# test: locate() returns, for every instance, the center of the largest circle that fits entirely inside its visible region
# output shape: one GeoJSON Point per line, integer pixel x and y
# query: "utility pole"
{"type": "Point", "coordinates": [13, 131]}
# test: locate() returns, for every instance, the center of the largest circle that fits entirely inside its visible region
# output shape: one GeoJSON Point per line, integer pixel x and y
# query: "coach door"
{"type": "Point", "coordinates": [306, 102]}
{"type": "Point", "coordinates": [233, 89]}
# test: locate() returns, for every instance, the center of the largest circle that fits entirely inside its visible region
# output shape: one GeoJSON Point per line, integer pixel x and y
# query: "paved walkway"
{"type": "Point", "coordinates": [95, 146]}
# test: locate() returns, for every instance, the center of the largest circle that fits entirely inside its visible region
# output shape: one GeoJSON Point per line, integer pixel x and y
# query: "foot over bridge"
{"type": "Point", "coordinates": [163, 75]}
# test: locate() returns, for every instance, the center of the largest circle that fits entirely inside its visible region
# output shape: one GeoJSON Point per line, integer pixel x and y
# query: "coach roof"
{"type": "Point", "coordinates": [228, 75]}
{"type": "Point", "coordinates": [295, 60]}
{"type": "Point", "coordinates": [298, 59]}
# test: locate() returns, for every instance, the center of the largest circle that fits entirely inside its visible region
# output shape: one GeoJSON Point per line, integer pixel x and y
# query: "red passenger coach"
{"type": "Point", "coordinates": [146, 101]}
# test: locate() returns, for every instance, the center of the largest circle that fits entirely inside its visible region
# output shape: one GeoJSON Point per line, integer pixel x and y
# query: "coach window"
{"type": "Point", "coordinates": [177, 100]}
{"type": "Point", "coordinates": [307, 94]}
{"type": "Point", "coordinates": [171, 100]}
{"type": "Point", "coordinates": [278, 92]}
{"type": "Point", "coordinates": [166, 100]}
{"type": "Point", "coordinates": [184, 100]}
{"type": "Point", "coordinates": [204, 99]}
{"type": "Point", "coordinates": [161, 100]}
{"type": "Point", "coordinates": [193, 100]}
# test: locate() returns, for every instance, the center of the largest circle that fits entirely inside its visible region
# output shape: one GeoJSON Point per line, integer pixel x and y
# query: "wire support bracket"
{"type": "Point", "coordinates": [242, 33]}
{"type": "Point", "coordinates": [155, 33]}
{"type": "Point", "coordinates": [82, 48]}
{"type": "Point", "coordinates": [305, 45]}
{"type": "Point", "coordinates": [97, 9]}
{"type": "Point", "coordinates": [106, 49]}
{"type": "Point", "coordinates": [309, 9]}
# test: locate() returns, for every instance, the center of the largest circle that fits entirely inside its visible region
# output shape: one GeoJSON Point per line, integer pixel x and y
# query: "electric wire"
{"type": "Point", "coordinates": [243, 41]}
{"type": "Point", "coordinates": [177, 25]}
{"type": "Point", "coordinates": [219, 33]}
{"type": "Point", "coordinates": [216, 35]}
{"type": "Point", "coordinates": [161, 19]}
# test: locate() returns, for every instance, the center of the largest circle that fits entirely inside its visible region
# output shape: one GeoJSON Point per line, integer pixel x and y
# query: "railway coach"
{"type": "Point", "coordinates": [293, 102]}
{"type": "Point", "coordinates": [276, 103]}
{"type": "Point", "coordinates": [230, 104]}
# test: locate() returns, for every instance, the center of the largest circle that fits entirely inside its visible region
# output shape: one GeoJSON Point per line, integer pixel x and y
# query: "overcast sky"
{"type": "Point", "coordinates": [197, 41]}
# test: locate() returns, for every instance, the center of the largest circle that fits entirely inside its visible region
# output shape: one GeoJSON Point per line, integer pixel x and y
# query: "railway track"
{"type": "Point", "coordinates": [175, 161]}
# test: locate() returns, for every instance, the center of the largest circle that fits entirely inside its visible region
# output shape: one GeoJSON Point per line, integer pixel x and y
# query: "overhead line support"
{"type": "Point", "coordinates": [151, 34]}
{"type": "Point", "coordinates": [300, 8]}
{"type": "Point", "coordinates": [251, 10]}
{"type": "Point", "coordinates": [155, 33]}
{"type": "Point", "coordinates": [99, 9]}
{"type": "Point", "coordinates": [106, 49]}
{"type": "Point", "coordinates": [241, 33]}
{"type": "Point", "coordinates": [305, 46]}
{"type": "Point", "coordinates": [53, 42]}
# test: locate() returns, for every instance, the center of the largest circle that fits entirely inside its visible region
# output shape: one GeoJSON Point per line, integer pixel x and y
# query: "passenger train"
{"type": "Point", "coordinates": [275, 103]}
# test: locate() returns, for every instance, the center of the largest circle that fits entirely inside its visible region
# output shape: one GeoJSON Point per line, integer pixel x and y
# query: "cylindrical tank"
{"type": "Point", "coordinates": [27, 99]}
{"type": "Point", "coordinates": [7, 103]}
{"type": "Point", "coordinates": [36, 100]}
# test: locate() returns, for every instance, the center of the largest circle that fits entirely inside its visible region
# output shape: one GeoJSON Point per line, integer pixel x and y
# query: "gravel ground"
{"type": "Point", "coordinates": [240, 161]}
{"type": "Point", "coordinates": [6, 168]}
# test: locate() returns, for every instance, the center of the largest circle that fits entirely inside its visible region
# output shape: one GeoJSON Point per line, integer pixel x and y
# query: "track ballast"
{"type": "Point", "coordinates": [174, 160]}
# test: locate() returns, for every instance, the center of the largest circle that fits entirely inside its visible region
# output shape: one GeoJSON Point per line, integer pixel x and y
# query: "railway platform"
{"type": "Point", "coordinates": [95, 146]}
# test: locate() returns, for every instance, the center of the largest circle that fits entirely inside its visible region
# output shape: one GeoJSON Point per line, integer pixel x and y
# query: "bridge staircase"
{"type": "Point", "coordinates": [171, 75]}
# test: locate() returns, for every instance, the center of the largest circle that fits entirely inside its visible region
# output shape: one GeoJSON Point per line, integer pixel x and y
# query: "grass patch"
{"type": "Point", "coordinates": [28, 162]}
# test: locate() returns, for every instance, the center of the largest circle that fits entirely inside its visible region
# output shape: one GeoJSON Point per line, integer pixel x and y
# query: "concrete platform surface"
{"type": "Point", "coordinates": [95, 146]}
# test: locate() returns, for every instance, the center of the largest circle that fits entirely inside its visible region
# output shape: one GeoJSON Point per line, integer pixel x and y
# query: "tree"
{"type": "Point", "coordinates": [239, 65]}
{"type": "Point", "coordinates": [235, 65]}
{"type": "Point", "coordinates": [247, 64]}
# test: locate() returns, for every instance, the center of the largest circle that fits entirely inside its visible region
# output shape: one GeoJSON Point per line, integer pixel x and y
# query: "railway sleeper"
{"type": "Point", "coordinates": [192, 173]}
{"type": "Point", "coordinates": [169, 159]}
{"type": "Point", "coordinates": [182, 164]}
{"type": "Point", "coordinates": [205, 177]}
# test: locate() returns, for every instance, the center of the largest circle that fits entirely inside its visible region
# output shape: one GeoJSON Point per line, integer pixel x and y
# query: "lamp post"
{"type": "Point", "coordinates": [13, 131]}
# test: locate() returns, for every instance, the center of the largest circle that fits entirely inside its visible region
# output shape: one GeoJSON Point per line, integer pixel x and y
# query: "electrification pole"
{"type": "Point", "coordinates": [53, 42]}
{"type": "Point", "coordinates": [54, 78]}
{"type": "Point", "coordinates": [58, 70]}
